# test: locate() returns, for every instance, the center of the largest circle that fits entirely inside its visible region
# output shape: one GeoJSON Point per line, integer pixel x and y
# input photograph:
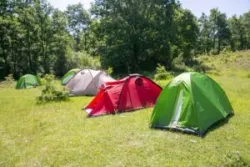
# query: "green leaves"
{"type": "Point", "coordinates": [128, 35]}
{"type": "Point", "coordinates": [138, 34]}
{"type": "Point", "coordinates": [50, 92]}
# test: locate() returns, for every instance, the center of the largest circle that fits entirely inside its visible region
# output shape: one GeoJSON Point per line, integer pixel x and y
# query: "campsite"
{"type": "Point", "coordinates": [61, 134]}
{"type": "Point", "coordinates": [124, 83]}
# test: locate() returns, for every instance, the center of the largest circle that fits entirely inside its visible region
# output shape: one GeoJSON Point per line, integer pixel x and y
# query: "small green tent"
{"type": "Point", "coordinates": [27, 81]}
{"type": "Point", "coordinates": [69, 75]}
{"type": "Point", "coordinates": [191, 102]}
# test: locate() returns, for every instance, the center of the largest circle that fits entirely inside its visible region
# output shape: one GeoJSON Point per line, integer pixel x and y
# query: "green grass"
{"type": "Point", "coordinates": [60, 134]}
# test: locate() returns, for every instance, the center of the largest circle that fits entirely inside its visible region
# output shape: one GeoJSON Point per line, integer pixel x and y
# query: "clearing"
{"type": "Point", "coordinates": [60, 134]}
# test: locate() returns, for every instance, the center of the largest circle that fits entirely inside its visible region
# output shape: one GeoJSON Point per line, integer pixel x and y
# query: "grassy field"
{"type": "Point", "coordinates": [60, 134]}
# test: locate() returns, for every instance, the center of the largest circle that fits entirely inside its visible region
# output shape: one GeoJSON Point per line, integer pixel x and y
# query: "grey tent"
{"type": "Point", "coordinates": [87, 82]}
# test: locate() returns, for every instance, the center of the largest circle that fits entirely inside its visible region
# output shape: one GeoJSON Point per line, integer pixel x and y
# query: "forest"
{"type": "Point", "coordinates": [125, 35]}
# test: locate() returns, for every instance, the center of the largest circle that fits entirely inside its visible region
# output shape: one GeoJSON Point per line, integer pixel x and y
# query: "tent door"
{"type": "Point", "coordinates": [178, 108]}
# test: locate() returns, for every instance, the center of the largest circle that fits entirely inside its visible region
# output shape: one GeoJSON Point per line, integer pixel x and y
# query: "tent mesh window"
{"type": "Point", "coordinates": [138, 81]}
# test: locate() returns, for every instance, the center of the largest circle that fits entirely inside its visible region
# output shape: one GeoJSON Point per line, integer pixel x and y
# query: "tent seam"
{"type": "Point", "coordinates": [195, 110]}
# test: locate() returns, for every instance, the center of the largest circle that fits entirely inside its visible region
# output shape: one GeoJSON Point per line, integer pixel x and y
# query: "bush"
{"type": "Point", "coordinates": [201, 67]}
{"type": "Point", "coordinates": [82, 60]}
{"type": "Point", "coordinates": [110, 71]}
{"type": "Point", "coordinates": [161, 73]}
{"type": "Point", "coordinates": [213, 52]}
{"type": "Point", "coordinates": [8, 81]}
{"type": "Point", "coordinates": [148, 74]}
{"type": "Point", "coordinates": [178, 64]}
{"type": "Point", "coordinates": [50, 93]}
{"type": "Point", "coordinates": [227, 49]}
{"type": "Point", "coordinates": [41, 79]}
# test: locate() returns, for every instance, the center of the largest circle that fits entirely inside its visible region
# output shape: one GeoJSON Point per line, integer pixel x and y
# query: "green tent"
{"type": "Point", "coordinates": [27, 81]}
{"type": "Point", "coordinates": [191, 102]}
{"type": "Point", "coordinates": [69, 75]}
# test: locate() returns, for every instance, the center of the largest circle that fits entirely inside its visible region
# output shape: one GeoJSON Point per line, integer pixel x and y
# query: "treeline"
{"type": "Point", "coordinates": [127, 35]}
{"type": "Point", "coordinates": [36, 38]}
{"type": "Point", "coordinates": [219, 33]}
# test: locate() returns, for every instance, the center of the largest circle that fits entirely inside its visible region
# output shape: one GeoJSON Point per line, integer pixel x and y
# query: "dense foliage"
{"type": "Point", "coordinates": [125, 35]}
{"type": "Point", "coordinates": [136, 35]}
{"type": "Point", "coordinates": [50, 92]}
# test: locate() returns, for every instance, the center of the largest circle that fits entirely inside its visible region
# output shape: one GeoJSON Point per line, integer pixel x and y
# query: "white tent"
{"type": "Point", "coordinates": [87, 82]}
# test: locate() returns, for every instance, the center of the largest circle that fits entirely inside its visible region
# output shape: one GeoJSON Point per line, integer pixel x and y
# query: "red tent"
{"type": "Point", "coordinates": [130, 93]}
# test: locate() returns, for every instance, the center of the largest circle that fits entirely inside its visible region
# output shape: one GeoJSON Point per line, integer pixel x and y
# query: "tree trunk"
{"type": "Point", "coordinates": [44, 58]}
{"type": "Point", "coordinates": [4, 55]}
{"type": "Point", "coordinates": [85, 40]}
{"type": "Point", "coordinates": [241, 42]}
{"type": "Point", "coordinates": [29, 53]}
{"type": "Point", "coordinates": [13, 54]}
{"type": "Point", "coordinates": [219, 42]}
{"type": "Point", "coordinates": [135, 53]}
{"type": "Point", "coordinates": [214, 42]}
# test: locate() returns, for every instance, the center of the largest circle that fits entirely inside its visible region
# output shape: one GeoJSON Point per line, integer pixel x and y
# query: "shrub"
{"type": "Point", "coordinates": [149, 74]}
{"type": "Point", "coordinates": [178, 64]}
{"type": "Point", "coordinates": [8, 81]}
{"type": "Point", "coordinates": [161, 73]}
{"type": "Point", "coordinates": [213, 52]}
{"type": "Point", "coordinates": [50, 93]}
{"type": "Point", "coordinates": [110, 71]}
{"type": "Point", "coordinates": [201, 67]}
{"type": "Point", "coordinates": [41, 79]}
{"type": "Point", "coordinates": [227, 49]}
{"type": "Point", "coordinates": [83, 60]}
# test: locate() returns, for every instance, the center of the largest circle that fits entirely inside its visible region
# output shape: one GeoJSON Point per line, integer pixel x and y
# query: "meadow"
{"type": "Point", "coordinates": [60, 134]}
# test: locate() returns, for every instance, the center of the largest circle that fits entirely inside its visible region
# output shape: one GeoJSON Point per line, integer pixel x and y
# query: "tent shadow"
{"type": "Point", "coordinates": [213, 127]}
{"type": "Point", "coordinates": [217, 125]}
{"type": "Point", "coordinates": [72, 95]}
{"type": "Point", "coordinates": [38, 103]}
{"type": "Point", "coordinates": [119, 113]}
{"type": "Point", "coordinates": [175, 131]}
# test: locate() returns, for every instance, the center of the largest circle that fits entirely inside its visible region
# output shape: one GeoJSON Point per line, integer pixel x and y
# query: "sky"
{"type": "Point", "coordinates": [230, 7]}
{"type": "Point", "coordinates": [62, 4]}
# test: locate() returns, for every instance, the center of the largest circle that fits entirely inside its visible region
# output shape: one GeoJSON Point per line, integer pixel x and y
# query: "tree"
{"type": "Point", "coordinates": [238, 33]}
{"type": "Point", "coordinates": [45, 32]}
{"type": "Point", "coordinates": [9, 38]}
{"type": "Point", "coordinates": [128, 35]}
{"type": "Point", "coordinates": [219, 29]}
{"type": "Point", "coordinates": [204, 34]}
{"type": "Point", "coordinates": [137, 34]}
{"type": "Point", "coordinates": [78, 19]}
{"type": "Point", "coordinates": [28, 46]}
{"type": "Point", "coordinates": [33, 37]}
{"type": "Point", "coordinates": [61, 42]}
{"type": "Point", "coordinates": [188, 30]}
{"type": "Point", "coordinates": [246, 25]}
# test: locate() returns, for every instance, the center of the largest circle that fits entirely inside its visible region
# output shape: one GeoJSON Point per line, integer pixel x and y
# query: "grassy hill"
{"type": "Point", "coordinates": [60, 134]}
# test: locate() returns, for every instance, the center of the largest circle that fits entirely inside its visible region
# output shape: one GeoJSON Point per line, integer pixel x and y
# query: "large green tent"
{"type": "Point", "coordinates": [69, 75]}
{"type": "Point", "coordinates": [191, 102]}
{"type": "Point", "coordinates": [27, 81]}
